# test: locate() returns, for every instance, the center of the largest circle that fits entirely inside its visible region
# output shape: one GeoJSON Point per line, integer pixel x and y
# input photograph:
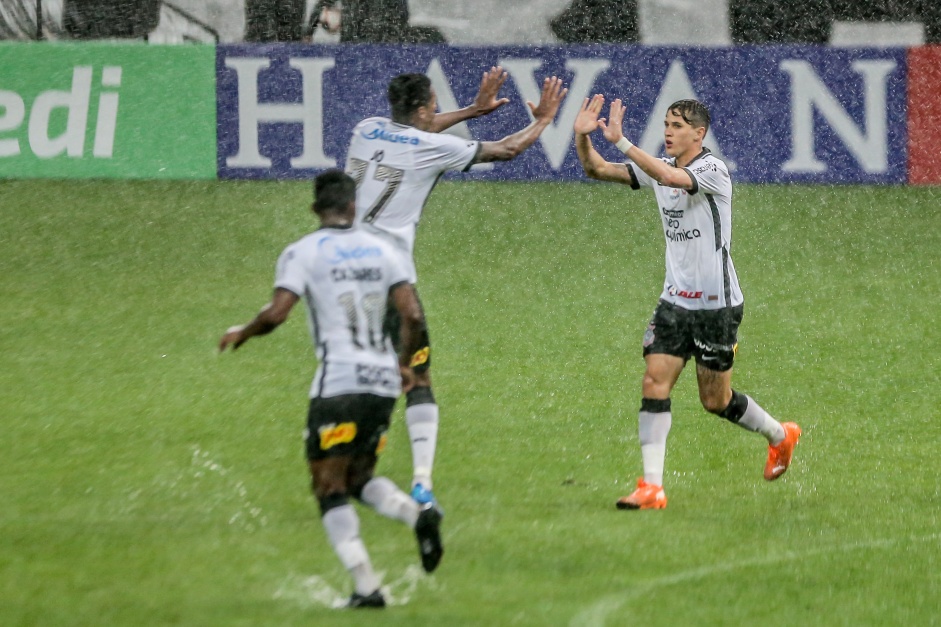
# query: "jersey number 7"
{"type": "Point", "coordinates": [391, 177]}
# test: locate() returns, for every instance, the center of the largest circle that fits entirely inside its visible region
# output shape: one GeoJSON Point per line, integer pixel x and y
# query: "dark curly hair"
{"type": "Point", "coordinates": [408, 92]}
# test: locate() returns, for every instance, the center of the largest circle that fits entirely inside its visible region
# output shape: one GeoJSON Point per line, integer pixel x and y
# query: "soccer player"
{"type": "Point", "coordinates": [396, 163]}
{"type": "Point", "coordinates": [348, 278]}
{"type": "Point", "coordinates": [701, 305]}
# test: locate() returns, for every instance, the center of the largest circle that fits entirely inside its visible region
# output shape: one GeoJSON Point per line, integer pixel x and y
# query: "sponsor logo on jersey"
{"type": "Point", "coordinates": [335, 253]}
{"type": "Point", "coordinates": [368, 375]}
{"type": "Point", "coordinates": [672, 213]}
{"type": "Point", "coordinates": [673, 291]}
{"type": "Point", "coordinates": [333, 434]}
{"type": "Point", "coordinates": [382, 134]}
{"type": "Point", "coordinates": [356, 274]}
{"type": "Point", "coordinates": [682, 235]}
{"type": "Point", "coordinates": [420, 357]}
{"type": "Point", "coordinates": [706, 168]}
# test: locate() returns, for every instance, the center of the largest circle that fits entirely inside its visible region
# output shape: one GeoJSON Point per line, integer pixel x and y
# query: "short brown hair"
{"type": "Point", "coordinates": [693, 112]}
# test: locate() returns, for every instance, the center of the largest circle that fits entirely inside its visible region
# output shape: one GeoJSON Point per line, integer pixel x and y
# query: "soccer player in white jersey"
{"type": "Point", "coordinates": [396, 162]}
{"type": "Point", "coordinates": [347, 278]}
{"type": "Point", "coordinates": [701, 305]}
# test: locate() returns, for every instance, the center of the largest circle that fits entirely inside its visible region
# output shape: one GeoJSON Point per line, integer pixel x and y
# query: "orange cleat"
{"type": "Point", "coordinates": [779, 457]}
{"type": "Point", "coordinates": [646, 496]}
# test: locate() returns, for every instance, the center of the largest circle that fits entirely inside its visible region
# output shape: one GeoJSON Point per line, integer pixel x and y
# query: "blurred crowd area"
{"type": "Point", "coordinates": [479, 22]}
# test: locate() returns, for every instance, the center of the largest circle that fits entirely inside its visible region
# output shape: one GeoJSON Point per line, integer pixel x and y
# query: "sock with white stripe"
{"type": "Point", "coordinates": [653, 427]}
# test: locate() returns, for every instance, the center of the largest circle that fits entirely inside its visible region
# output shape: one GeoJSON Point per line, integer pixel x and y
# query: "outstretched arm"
{"type": "Point", "coordinates": [595, 166]}
{"type": "Point", "coordinates": [657, 169]}
{"type": "Point", "coordinates": [543, 114]}
{"type": "Point", "coordinates": [268, 319]}
{"type": "Point", "coordinates": [484, 102]}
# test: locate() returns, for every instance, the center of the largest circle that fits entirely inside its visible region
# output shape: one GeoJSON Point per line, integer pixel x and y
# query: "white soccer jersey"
{"type": "Point", "coordinates": [395, 168]}
{"type": "Point", "coordinates": [344, 275]}
{"type": "Point", "coordinates": [697, 226]}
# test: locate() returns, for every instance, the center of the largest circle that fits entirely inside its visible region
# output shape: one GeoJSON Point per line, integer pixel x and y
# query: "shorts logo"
{"type": "Point", "coordinates": [420, 357]}
{"type": "Point", "coordinates": [715, 348]}
{"type": "Point", "coordinates": [334, 434]}
{"type": "Point", "coordinates": [383, 439]}
{"type": "Point", "coordinates": [649, 335]}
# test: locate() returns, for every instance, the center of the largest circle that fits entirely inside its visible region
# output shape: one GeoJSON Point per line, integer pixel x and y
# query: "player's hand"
{"type": "Point", "coordinates": [612, 129]}
{"type": "Point", "coordinates": [408, 378]}
{"type": "Point", "coordinates": [587, 119]}
{"type": "Point", "coordinates": [234, 337]}
{"type": "Point", "coordinates": [549, 100]}
{"type": "Point", "coordinates": [486, 99]}
{"type": "Point", "coordinates": [330, 18]}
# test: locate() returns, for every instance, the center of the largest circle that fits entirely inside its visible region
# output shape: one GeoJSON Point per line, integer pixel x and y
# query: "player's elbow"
{"type": "Point", "coordinates": [414, 320]}
{"type": "Point", "coordinates": [591, 171]}
{"type": "Point", "coordinates": [273, 317]}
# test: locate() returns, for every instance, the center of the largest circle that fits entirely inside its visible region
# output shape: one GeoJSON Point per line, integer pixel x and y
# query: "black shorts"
{"type": "Point", "coordinates": [421, 359]}
{"type": "Point", "coordinates": [347, 425]}
{"type": "Point", "coordinates": [711, 336]}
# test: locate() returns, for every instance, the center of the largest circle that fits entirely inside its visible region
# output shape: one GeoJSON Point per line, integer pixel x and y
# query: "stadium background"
{"type": "Point", "coordinates": [149, 481]}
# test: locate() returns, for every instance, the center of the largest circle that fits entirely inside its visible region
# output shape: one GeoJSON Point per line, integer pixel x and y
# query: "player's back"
{"type": "Point", "coordinates": [344, 275]}
{"type": "Point", "coordinates": [395, 168]}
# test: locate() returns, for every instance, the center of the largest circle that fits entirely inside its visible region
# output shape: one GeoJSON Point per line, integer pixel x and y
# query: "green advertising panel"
{"type": "Point", "coordinates": [107, 110]}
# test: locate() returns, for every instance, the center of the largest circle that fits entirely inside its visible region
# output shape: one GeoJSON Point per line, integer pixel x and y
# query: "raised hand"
{"type": "Point", "coordinates": [486, 99]}
{"type": "Point", "coordinates": [612, 129]}
{"type": "Point", "coordinates": [587, 119]}
{"type": "Point", "coordinates": [549, 100]}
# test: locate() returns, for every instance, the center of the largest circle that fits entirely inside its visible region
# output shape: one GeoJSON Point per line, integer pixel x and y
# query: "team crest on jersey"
{"type": "Point", "coordinates": [333, 434]}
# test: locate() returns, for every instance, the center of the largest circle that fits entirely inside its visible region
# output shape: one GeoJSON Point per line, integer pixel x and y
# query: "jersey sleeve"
{"type": "Point", "coordinates": [289, 273]}
{"type": "Point", "coordinates": [639, 178]}
{"type": "Point", "coordinates": [398, 272]}
{"type": "Point", "coordinates": [711, 176]}
{"type": "Point", "coordinates": [449, 152]}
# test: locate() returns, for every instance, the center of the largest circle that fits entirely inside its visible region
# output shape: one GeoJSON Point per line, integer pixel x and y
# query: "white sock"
{"type": "Point", "coordinates": [422, 421]}
{"type": "Point", "coordinates": [652, 430]}
{"type": "Point", "coordinates": [342, 526]}
{"type": "Point", "coordinates": [385, 497]}
{"type": "Point", "coordinates": [758, 420]}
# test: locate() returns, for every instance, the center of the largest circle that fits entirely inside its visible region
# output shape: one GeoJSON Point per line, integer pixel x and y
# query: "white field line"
{"type": "Point", "coordinates": [596, 614]}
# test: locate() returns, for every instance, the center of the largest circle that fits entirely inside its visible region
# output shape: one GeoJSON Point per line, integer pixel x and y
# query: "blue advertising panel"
{"type": "Point", "coordinates": [779, 113]}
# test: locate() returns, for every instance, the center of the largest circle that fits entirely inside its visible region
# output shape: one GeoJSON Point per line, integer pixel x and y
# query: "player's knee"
{"type": "Point", "coordinates": [322, 486]}
{"type": "Point", "coordinates": [733, 410]}
{"type": "Point", "coordinates": [331, 501]}
{"type": "Point", "coordinates": [653, 388]}
{"type": "Point", "coordinates": [419, 395]}
{"type": "Point", "coordinates": [357, 484]}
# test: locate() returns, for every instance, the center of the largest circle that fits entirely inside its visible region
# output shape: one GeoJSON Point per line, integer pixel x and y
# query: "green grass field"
{"type": "Point", "coordinates": [147, 480]}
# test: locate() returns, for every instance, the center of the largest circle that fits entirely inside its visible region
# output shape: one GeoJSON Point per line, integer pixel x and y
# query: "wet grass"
{"type": "Point", "coordinates": [147, 480]}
